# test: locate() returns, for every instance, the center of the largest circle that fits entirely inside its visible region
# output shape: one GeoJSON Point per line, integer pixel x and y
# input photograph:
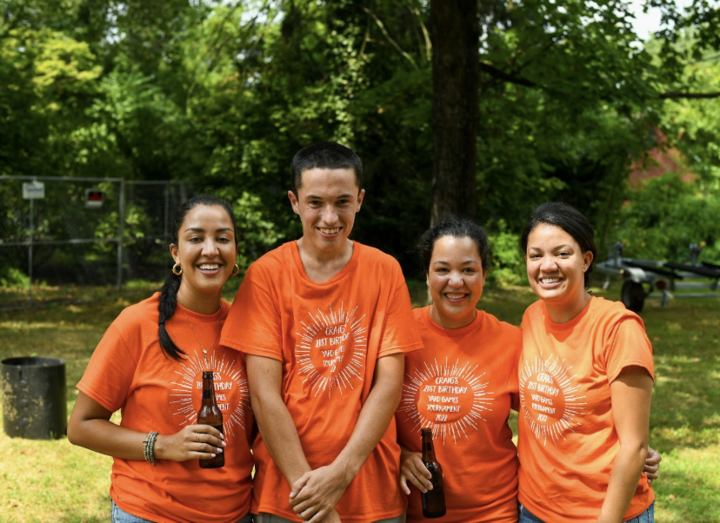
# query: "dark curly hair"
{"type": "Point", "coordinates": [457, 228]}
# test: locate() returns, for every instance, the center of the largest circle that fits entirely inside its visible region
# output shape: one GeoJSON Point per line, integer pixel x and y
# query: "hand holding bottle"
{"type": "Point", "coordinates": [192, 442]}
{"type": "Point", "coordinates": [413, 470]}
{"type": "Point", "coordinates": [433, 501]}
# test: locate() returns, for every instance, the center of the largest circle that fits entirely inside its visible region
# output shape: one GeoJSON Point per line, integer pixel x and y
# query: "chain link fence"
{"type": "Point", "coordinates": [82, 238]}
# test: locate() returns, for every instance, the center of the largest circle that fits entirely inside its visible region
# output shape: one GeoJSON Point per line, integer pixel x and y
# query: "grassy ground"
{"type": "Point", "coordinates": [54, 481]}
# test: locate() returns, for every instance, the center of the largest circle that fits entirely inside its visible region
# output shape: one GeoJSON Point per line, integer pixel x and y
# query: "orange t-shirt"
{"type": "Point", "coordinates": [129, 371]}
{"type": "Point", "coordinates": [328, 337]}
{"type": "Point", "coordinates": [567, 441]}
{"type": "Point", "coordinates": [460, 385]}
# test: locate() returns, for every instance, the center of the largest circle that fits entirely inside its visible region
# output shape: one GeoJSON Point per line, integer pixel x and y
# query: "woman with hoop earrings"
{"type": "Point", "coordinates": [149, 366]}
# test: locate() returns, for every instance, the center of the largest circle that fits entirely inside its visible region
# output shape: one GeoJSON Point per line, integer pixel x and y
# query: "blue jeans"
{"type": "Point", "coordinates": [120, 516]}
{"type": "Point", "coordinates": [646, 517]}
{"type": "Point", "coordinates": [527, 517]}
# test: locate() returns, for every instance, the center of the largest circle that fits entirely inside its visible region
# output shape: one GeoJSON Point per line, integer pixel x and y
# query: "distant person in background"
{"type": "Point", "coordinates": [149, 366]}
{"type": "Point", "coordinates": [586, 376]}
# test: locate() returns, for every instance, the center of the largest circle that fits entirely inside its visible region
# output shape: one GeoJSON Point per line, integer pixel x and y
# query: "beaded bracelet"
{"type": "Point", "coordinates": [149, 448]}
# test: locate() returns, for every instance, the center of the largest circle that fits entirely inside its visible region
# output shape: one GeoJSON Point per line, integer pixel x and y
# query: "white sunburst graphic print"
{"type": "Point", "coordinates": [231, 391]}
{"type": "Point", "coordinates": [331, 349]}
{"type": "Point", "coordinates": [549, 397]}
{"type": "Point", "coordinates": [449, 399]}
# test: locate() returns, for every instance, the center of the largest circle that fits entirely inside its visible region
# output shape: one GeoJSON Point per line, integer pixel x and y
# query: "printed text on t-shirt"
{"type": "Point", "coordinates": [231, 391]}
{"type": "Point", "coordinates": [447, 399]}
{"type": "Point", "coordinates": [331, 349]}
{"type": "Point", "coordinates": [549, 397]}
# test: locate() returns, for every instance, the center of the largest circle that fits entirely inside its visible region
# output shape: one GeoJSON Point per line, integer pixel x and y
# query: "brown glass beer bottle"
{"type": "Point", "coordinates": [210, 415]}
{"type": "Point", "coordinates": [433, 501]}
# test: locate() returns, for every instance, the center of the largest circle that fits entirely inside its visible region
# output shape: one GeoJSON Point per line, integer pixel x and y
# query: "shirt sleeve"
{"type": "Point", "coordinates": [630, 348]}
{"type": "Point", "coordinates": [254, 325]}
{"type": "Point", "coordinates": [111, 370]}
{"type": "Point", "coordinates": [400, 334]}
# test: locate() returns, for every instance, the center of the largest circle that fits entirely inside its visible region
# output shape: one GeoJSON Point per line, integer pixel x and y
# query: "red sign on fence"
{"type": "Point", "coordinates": [94, 198]}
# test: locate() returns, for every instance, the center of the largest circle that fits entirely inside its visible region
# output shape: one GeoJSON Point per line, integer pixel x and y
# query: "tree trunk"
{"type": "Point", "coordinates": [455, 33]}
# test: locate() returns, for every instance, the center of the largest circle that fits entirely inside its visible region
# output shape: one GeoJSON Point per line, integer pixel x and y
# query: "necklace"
{"type": "Point", "coordinates": [198, 339]}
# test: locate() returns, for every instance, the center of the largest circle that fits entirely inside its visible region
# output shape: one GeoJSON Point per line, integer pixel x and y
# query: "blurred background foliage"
{"type": "Point", "coordinates": [223, 93]}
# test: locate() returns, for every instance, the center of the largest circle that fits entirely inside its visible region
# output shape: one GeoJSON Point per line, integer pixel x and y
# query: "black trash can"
{"type": "Point", "coordinates": [34, 402]}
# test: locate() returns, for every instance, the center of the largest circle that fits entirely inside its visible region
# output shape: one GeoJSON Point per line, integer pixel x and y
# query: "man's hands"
{"type": "Point", "coordinates": [315, 494]}
{"type": "Point", "coordinates": [414, 471]}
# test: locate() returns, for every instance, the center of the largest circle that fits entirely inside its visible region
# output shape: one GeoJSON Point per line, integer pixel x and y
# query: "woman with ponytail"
{"type": "Point", "coordinates": [149, 366]}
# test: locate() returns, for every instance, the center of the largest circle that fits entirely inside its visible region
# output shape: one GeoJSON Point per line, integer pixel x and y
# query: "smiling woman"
{"type": "Point", "coordinates": [461, 385]}
{"type": "Point", "coordinates": [455, 278]}
{"type": "Point", "coordinates": [205, 252]}
{"type": "Point", "coordinates": [150, 365]}
{"type": "Point", "coordinates": [559, 255]}
{"type": "Point", "coordinates": [585, 377]}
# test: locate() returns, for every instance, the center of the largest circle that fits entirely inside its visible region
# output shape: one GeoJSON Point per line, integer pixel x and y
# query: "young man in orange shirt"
{"type": "Point", "coordinates": [325, 322]}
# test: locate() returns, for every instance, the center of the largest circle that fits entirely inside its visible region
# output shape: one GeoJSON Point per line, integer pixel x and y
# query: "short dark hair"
{"type": "Point", "coordinates": [570, 220]}
{"type": "Point", "coordinates": [324, 155]}
{"type": "Point", "coordinates": [457, 228]}
{"type": "Point", "coordinates": [168, 294]}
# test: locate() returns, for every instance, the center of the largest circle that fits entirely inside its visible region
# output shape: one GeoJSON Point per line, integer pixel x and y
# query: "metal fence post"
{"type": "Point", "coordinates": [121, 223]}
{"type": "Point", "coordinates": [30, 253]}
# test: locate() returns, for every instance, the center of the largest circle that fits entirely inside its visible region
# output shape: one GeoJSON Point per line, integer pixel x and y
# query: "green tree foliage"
{"type": "Point", "coordinates": [223, 93]}
{"type": "Point", "coordinates": [566, 102]}
{"type": "Point", "coordinates": [664, 215]}
{"type": "Point", "coordinates": [695, 124]}
{"type": "Point", "coordinates": [669, 214]}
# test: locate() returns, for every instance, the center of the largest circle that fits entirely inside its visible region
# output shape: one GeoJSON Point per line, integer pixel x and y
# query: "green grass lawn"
{"type": "Point", "coordinates": [54, 481]}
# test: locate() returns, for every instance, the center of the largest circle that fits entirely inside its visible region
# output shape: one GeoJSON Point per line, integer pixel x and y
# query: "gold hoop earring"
{"type": "Point", "coordinates": [177, 270]}
{"type": "Point", "coordinates": [235, 271]}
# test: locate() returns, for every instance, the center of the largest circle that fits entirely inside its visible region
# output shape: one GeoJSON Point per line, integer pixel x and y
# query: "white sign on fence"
{"type": "Point", "coordinates": [33, 191]}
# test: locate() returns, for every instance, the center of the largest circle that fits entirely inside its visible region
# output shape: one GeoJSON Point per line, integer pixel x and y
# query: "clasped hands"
{"type": "Point", "coordinates": [316, 493]}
